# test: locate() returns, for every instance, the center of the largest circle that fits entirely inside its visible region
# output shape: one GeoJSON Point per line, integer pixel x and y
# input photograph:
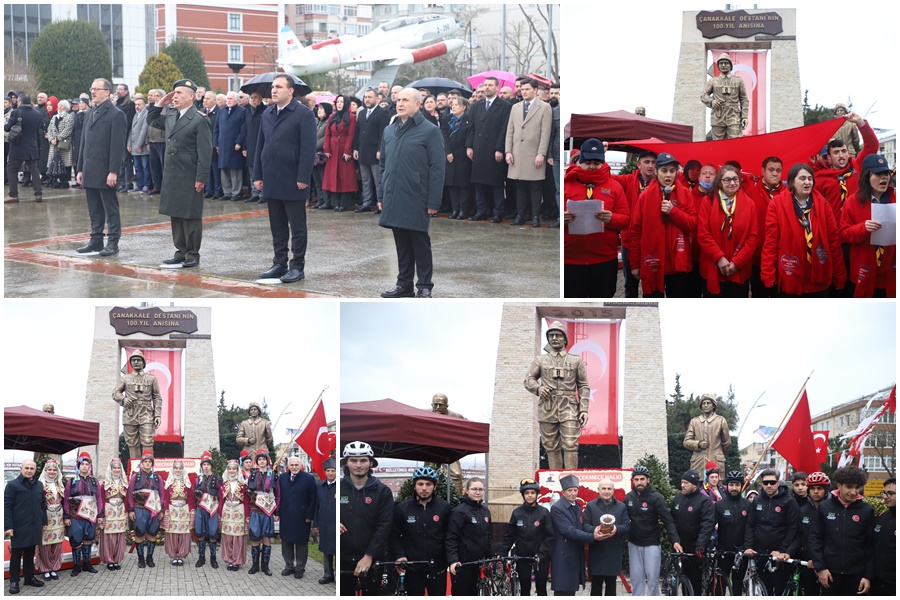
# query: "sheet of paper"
{"type": "Point", "coordinates": [886, 214]}
{"type": "Point", "coordinates": [585, 222]}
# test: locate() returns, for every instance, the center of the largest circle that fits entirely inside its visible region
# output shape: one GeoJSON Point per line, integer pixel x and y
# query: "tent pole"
{"type": "Point", "coordinates": [448, 481]}
{"type": "Point", "coordinates": [487, 456]}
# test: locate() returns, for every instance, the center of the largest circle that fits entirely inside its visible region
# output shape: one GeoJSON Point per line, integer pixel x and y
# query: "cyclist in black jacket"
{"type": "Point", "coordinates": [842, 544]}
{"type": "Point", "coordinates": [468, 537]}
{"type": "Point", "coordinates": [772, 529]}
{"type": "Point", "coordinates": [732, 512]}
{"type": "Point", "coordinates": [817, 485]}
{"type": "Point", "coordinates": [885, 583]}
{"type": "Point", "coordinates": [530, 531]}
{"type": "Point", "coordinates": [420, 529]}
{"type": "Point", "coordinates": [367, 509]}
{"type": "Point", "coordinates": [695, 520]}
{"type": "Point", "coordinates": [646, 508]}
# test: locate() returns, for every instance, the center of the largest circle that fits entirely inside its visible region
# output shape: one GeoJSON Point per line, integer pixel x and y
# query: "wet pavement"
{"type": "Point", "coordinates": [348, 254]}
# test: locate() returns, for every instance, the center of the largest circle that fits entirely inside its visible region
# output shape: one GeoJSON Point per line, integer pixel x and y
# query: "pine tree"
{"type": "Point", "coordinates": [159, 72]}
{"type": "Point", "coordinates": [68, 56]}
{"type": "Point", "coordinates": [189, 59]}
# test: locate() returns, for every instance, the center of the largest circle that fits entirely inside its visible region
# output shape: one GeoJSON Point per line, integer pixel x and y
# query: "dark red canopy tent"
{"type": "Point", "coordinates": [26, 428]}
{"type": "Point", "coordinates": [396, 430]}
{"type": "Point", "coordinates": [624, 125]}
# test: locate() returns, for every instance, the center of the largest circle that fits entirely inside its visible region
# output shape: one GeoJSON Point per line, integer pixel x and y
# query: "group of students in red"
{"type": "Point", "coordinates": [692, 230]}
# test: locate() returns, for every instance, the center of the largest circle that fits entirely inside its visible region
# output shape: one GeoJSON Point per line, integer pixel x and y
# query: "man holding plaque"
{"type": "Point", "coordinates": [145, 502]}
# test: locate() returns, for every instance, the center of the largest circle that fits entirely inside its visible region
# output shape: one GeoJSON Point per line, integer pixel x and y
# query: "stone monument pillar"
{"type": "Point", "coordinates": [112, 333]}
{"type": "Point", "coordinates": [731, 31]}
{"type": "Point", "coordinates": [515, 437]}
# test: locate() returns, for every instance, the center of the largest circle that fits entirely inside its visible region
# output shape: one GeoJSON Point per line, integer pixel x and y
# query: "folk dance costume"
{"type": "Point", "coordinates": [234, 516]}
{"type": "Point", "coordinates": [145, 499]}
{"type": "Point", "coordinates": [179, 518]}
{"type": "Point", "coordinates": [206, 519]}
{"type": "Point", "coordinates": [83, 508]}
{"type": "Point", "coordinates": [263, 506]}
{"type": "Point", "coordinates": [49, 555]}
{"type": "Point", "coordinates": [112, 537]}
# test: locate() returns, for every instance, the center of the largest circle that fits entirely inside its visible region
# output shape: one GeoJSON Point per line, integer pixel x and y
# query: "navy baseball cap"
{"type": "Point", "coordinates": [592, 149]}
{"type": "Point", "coordinates": [665, 159]}
{"type": "Point", "coordinates": [875, 163]}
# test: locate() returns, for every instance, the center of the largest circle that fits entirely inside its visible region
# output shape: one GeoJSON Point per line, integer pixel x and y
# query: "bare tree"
{"type": "Point", "coordinates": [543, 33]}
{"type": "Point", "coordinates": [884, 443]}
{"type": "Point", "coordinates": [264, 57]}
{"type": "Point", "coordinates": [18, 75]}
{"type": "Point", "coordinates": [522, 48]}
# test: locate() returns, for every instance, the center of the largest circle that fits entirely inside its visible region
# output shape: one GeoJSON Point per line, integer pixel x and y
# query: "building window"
{"type": "Point", "coordinates": [235, 53]}
{"type": "Point", "coordinates": [350, 29]}
{"type": "Point", "coordinates": [349, 11]}
{"type": "Point", "coordinates": [323, 27]}
{"type": "Point", "coordinates": [235, 22]}
{"type": "Point", "coordinates": [334, 9]}
{"type": "Point", "coordinates": [873, 464]}
{"type": "Point", "coordinates": [298, 10]}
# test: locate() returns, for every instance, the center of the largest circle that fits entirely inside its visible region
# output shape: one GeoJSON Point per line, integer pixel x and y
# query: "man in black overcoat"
{"type": "Point", "coordinates": [326, 511]}
{"type": "Point", "coordinates": [24, 514]}
{"type": "Point", "coordinates": [486, 144]}
{"type": "Point", "coordinates": [370, 124]}
{"type": "Point", "coordinates": [27, 151]}
{"type": "Point", "coordinates": [296, 508]}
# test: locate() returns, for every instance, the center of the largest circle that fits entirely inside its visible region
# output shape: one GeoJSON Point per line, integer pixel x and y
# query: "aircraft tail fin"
{"type": "Point", "coordinates": [385, 73]}
{"type": "Point", "coordinates": [288, 45]}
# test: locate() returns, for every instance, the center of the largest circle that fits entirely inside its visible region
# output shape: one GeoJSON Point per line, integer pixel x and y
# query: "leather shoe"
{"type": "Point", "coordinates": [478, 217]}
{"type": "Point", "coordinates": [398, 292]}
{"type": "Point", "coordinates": [274, 272]}
{"type": "Point", "coordinates": [423, 293]}
{"type": "Point", "coordinates": [517, 221]}
{"type": "Point", "coordinates": [323, 580]}
{"type": "Point", "coordinates": [299, 574]}
{"type": "Point", "coordinates": [110, 249]}
{"type": "Point", "coordinates": [287, 571]}
{"type": "Point", "coordinates": [207, 195]}
{"type": "Point", "coordinates": [173, 261]}
{"type": "Point", "coordinates": [554, 225]}
{"type": "Point", "coordinates": [292, 276]}
{"type": "Point", "coordinates": [34, 582]}
{"type": "Point", "coordinates": [190, 262]}
{"type": "Point", "coordinates": [536, 222]}
{"type": "Point", "coordinates": [377, 211]}
{"type": "Point", "coordinates": [497, 220]}
{"type": "Point", "coordinates": [92, 246]}
{"type": "Point", "coordinates": [362, 209]}
{"type": "Point", "coordinates": [13, 587]}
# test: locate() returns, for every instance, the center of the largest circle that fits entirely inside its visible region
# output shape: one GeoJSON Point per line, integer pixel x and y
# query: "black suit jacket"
{"type": "Point", "coordinates": [30, 120]}
{"type": "Point", "coordinates": [367, 140]}
{"type": "Point", "coordinates": [103, 142]}
{"type": "Point", "coordinates": [486, 136]}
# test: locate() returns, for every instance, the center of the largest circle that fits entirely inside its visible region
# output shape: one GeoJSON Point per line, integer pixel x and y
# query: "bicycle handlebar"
{"type": "Point", "coordinates": [402, 563]}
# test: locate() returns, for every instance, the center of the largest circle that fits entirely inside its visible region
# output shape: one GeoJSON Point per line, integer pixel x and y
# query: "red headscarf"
{"type": "Point", "coordinates": [52, 105]}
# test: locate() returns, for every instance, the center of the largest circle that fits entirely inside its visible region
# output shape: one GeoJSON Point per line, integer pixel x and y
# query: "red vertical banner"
{"type": "Point", "coordinates": [597, 343]}
{"type": "Point", "coordinates": [165, 364]}
{"type": "Point", "coordinates": [751, 66]}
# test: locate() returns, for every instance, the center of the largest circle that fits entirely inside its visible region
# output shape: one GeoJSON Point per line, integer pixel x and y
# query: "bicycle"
{"type": "Point", "coordinates": [715, 582]}
{"type": "Point", "coordinates": [675, 582]}
{"type": "Point", "coordinates": [400, 590]}
{"type": "Point", "coordinates": [753, 584]}
{"type": "Point", "coordinates": [793, 585]}
{"type": "Point", "coordinates": [512, 572]}
{"type": "Point", "coordinates": [493, 579]}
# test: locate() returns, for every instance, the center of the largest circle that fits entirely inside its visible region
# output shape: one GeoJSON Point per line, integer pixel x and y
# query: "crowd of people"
{"type": "Point", "coordinates": [236, 509]}
{"type": "Point", "coordinates": [693, 230]}
{"type": "Point", "coordinates": [499, 159]}
{"type": "Point", "coordinates": [850, 550]}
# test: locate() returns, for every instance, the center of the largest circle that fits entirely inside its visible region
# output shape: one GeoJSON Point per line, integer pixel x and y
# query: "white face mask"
{"type": "Point", "coordinates": [706, 185]}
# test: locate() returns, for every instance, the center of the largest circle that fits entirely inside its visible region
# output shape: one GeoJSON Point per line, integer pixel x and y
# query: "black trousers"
{"type": "Point", "coordinates": [483, 204]}
{"type": "Point", "coordinates": [187, 235]}
{"type": "Point", "coordinates": [295, 552]}
{"type": "Point", "coordinates": [757, 289]}
{"type": "Point", "coordinates": [774, 582]}
{"type": "Point", "coordinates": [591, 281]}
{"type": "Point", "coordinates": [417, 581]}
{"type": "Point", "coordinates": [528, 191]}
{"type": "Point", "coordinates": [12, 176]}
{"type": "Point", "coordinates": [16, 557]}
{"type": "Point", "coordinates": [466, 581]}
{"type": "Point", "coordinates": [157, 163]}
{"type": "Point", "coordinates": [349, 582]}
{"type": "Point", "coordinates": [413, 257]}
{"type": "Point", "coordinates": [730, 289]}
{"type": "Point", "coordinates": [103, 208]}
{"type": "Point", "coordinates": [523, 568]}
{"type": "Point", "coordinates": [841, 585]}
{"type": "Point", "coordinates": [288, 220]}
{"type": "Point", "coordinates": [214, 183]}
{"type": "Point", "coordinates": [598, 584]}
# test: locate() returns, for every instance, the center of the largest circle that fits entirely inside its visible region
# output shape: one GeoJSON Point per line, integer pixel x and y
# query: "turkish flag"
{"type": "Point", "coordinates": [892, 400]}
{"type": "Point", "coordinates": [795, 441]}
{"type": "Point", "coordinates": [316, 440]}
{"type": "Point", "coordinates": [820, 439]}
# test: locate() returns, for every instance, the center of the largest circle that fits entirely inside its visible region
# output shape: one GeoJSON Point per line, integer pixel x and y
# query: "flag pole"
{"type": "Point", "coordinates": [311, 408]}
{"type": "Point", "coordinates": [780, 425]}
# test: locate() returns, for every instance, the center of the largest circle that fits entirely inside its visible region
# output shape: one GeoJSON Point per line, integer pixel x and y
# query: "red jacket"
{"type": "Point", "coordinates": [715, 244]}
{"type": "Point", "coordinates": [661, 246]}
{"type": "Point", "coordinates": [340, 175]}
{"type": "Point", "coordinates": [828, 181]}
{"type": "Point", "coordinates": [595, 247]}
{"type": "Point", "coordinates": [761, 198]}
{"type": "Point", "coordinates": [700, 199]}
{"type": "Point", "coordinates": [863, 263]}
{"type": "Point", "coordinates": [784, 258]}
{"type": "Point", "coordinates": [633, 187]}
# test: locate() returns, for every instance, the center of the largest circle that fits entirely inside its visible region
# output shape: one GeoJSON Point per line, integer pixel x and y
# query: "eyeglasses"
{"type": "Point", "coordinates": [479, 490]}
{"type": "Point", "coordinates": [730, 179]}
{"type": "Point", "coordinates": [770, 482]}
{"type": "Point", "coordinates": [888, 494]}
{"type": "Point", "coordinates": [99, 90]}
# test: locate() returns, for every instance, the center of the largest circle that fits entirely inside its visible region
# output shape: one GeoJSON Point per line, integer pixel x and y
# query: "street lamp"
{"type": "Point", "coordinates": [748, 415]}
{"type": "Point", "coordinates": [236, 68]}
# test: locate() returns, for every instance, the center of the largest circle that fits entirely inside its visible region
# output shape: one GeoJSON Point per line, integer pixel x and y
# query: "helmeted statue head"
{"type": "Point", "coordinates": [640, 110]}
{"type": "Point", "coordinates": [712, 400]}
{"type": "Point", "coordinates": [840, 109]}
{"type": "Point", "coordinates": [724, 57]}
{"type": "Point", "coordinates": [137, 357]}
{"type": "Point", "coordinates": [254, 405]}
{"type": "Point", "coordinates": [557, 327]}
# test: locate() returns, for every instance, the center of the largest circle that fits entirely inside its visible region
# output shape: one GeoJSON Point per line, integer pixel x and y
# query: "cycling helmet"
{"type": "Point", "coordinates": [641, 470]}
{"type": "Point", "coordinates": [734, 476]}
{"type": "Point", "coordinates": [359, 449]}
{"type": "Point", "coordinates": [529, 484]}
{"type": "Point", "coordinates": [818, 478]}
{"type": "Point", "coordinates": [425, 473]}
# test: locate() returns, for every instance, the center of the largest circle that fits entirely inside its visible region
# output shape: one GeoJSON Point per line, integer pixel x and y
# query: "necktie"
{"type": "Point", "coordinates": [487, 105]}
{"type": "Point", "coordinates": [368, 114]}
{"type": "Point", "coordinates": [292, 477]}
{"type": "Point", "coordinates": [527, 106]}
{"type": "Point", "coordinates": [177, 116]}
{"type": "Point", "coordinates": [229, 110]}
{"type": "Point", "coordinates": [207, 112]}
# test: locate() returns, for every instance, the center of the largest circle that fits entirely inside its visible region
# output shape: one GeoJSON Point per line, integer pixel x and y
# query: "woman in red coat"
{"type": "Point", "coordinates": [802, 247]}
{"type": "Point", "coordinates": [661, 229]}
{"type": "Point", "coordinates": [592, 260]}
{"type": "Point", "coordinates": [873, 269]}
{"type": "Point", "coordinates": [727, 234]}
{"type": "Point", "coordinates": [340, 168]}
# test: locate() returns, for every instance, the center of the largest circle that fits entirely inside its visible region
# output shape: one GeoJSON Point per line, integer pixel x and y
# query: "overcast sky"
{"type": "Point", "coordinates": [282, 350]}
{"type": "Point", "coordinates": [619, 55]}
{"type": "Point", "coordinates": [409, 352]}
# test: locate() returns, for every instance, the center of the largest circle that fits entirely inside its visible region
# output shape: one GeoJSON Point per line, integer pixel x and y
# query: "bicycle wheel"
{"type": "Point", "coordinates": [753, 586]}
{"type": "Point", "coordinates": [515, 589]}
{"type": "Point", "coordinates": [792, 588]}
{"type": "Point", "coordinates": [484, 587]}
{"type": "Point", "coordinates": [684, 587]}
{"type": "Point", "coordinates": [722, 586]}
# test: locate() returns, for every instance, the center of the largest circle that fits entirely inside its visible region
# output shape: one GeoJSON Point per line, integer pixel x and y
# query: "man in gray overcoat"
{"type": "Point", "coordinates": [186, 169]}
{"type": "Point", "coordinates": [412, 184]}
{"type": "Point", "coordinates": [24, 514]}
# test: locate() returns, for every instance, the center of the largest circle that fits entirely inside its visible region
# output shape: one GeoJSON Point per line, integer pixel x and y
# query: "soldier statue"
{"type": "Point", "coordinates": [727, 97]}
{"type": "Point", "coordinates": [255, 433]}
{"type": "Point", "coordinates": [440, 404]}
{"type": "Point", "coordinates": [708, 436]}
{"type": "Point", "coordinates": [138, 393]}
{"type": "Point", "coordinates": [848, 132]}
{"type": "Point", "coordinates": [561, 412]}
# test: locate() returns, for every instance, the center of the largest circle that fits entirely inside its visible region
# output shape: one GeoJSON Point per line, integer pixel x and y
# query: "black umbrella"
{"type": "Point", "coordinates": [436, 85]}
{"type": "Point", "coordinates": [263, 84]}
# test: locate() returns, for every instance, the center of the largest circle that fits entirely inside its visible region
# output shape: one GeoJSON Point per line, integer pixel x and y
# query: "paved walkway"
{"type": "Point", "coordinates": [348, 254]}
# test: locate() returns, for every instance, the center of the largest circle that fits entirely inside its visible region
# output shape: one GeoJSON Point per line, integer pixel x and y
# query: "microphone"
{"type": "Point", "coordinates": [667, 191]}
